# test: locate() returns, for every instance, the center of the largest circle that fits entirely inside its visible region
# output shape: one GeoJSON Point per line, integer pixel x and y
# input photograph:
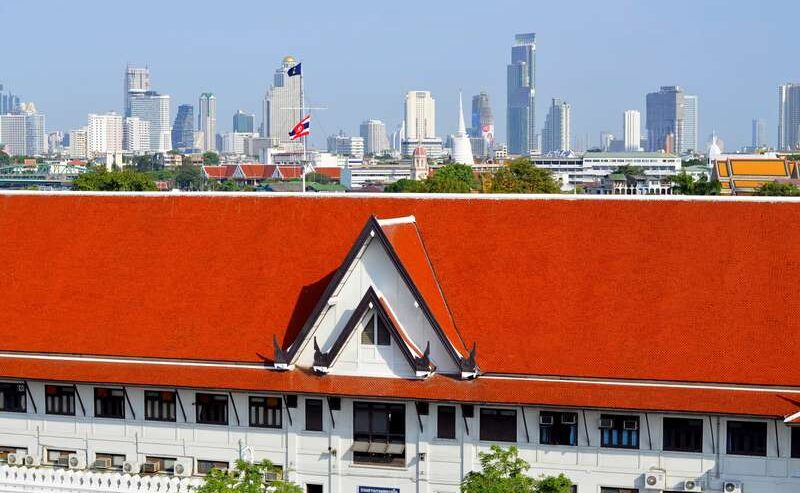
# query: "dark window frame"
{"type": "Point", "coordinates": [617, 436]}
{"type": "Point", "coordinates": [559, 433]}
{"type": "Point", "coordinates": [163, 461]}
{"type": "Point", "coordinates": [157, 405]}
{"type": "Point", "coordinates": [209, 409]}
{"type": "Point", "coordinates": [795, 446]}
{"type": "Point", "coordinates": [13, 398]}
{"type": "Point", "coordinates": [379, 422]}
{"type": "Point", "coordinates": [59, 397]}
{"type": "Point", "coordinates": [270, 409]}
{"type": "Point", "coordinates": [108, 455]}
{"type": "Point", "coordinates": [683, 435]}
{"type": "Point", "coordinates": [315, 415]}
{"type": "Point", "coordinates": [109, 402]}
{"type": "Point", "coordinates": [204, 466]}
{"type": "Point", "coordinates": [744, 444]}
{"type": "Point", "coordinates": [491, 422]}
{"type": "Point", "coordinates": [375, 332]}
{"type": "Point", "coordinates": [446, 422]}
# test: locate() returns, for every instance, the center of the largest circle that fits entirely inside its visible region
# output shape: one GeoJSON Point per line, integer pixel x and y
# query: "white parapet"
{"type": "Point", "coordinates": [46, 479]}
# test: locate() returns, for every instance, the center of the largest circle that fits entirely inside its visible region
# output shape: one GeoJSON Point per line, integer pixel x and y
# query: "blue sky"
{"type": "Point", "coordinates": [359, 57]}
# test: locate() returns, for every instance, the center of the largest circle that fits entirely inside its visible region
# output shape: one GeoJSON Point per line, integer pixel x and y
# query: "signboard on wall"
{"type": "Point", "coordinates": [376, 489]}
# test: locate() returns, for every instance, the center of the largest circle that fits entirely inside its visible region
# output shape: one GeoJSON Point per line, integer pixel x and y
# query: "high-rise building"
{"type": "Point", "coordinates": [689, 137]}
{"type": "Point", "coordinates": [759, 130]}
{"type": "Point", "coordinates": [556, 134]}
{"type": "Point", "coordinates": [137, 82]}
{"type": "Point", "coordinates": [665, 115]}
{"type": "Point", "coordinates": [153, 107]}
{"type": "Point", "coordinates": [462, 150]}
{"type": "Point", "coordinates": [243, 123]}
{"type": "Point", "coordinates": [343, 145]}
{"type": "Point", "coordinates": [55, 142]}
{"type": "Point", "coordinates": [521, 95]}
{"type": "Point", "coordinates": [23, 133]}
{"type": "Point", "coordinates": [183, 128]}
{"type": "Point", "coordinates": [789, 116]}
{"type": "Point", "coordinates": [376, 141]}
{"type": "Point", "coordinates": [12, 134]}
{"type": "Point", "coordinates": [35, 132]}
{"type": "Point", "coordinates": [632, 130]}
{"type": "Point", "coordinates": [104, 133]}
{"type": "Point", "coordinates": [207, 121]}
{"type": "Point", "coordinates": [9, 103]}
{"type": "Point", "coordinates": [77, 144]}
{"type": "Point", "coordinates": [420, 124]}
{"type": "Point", "coordinates": [282, 103]}
{"type": "Point", "coordinates": [482, 131]}
{"type": "Point", "coordinates": [136, 135]}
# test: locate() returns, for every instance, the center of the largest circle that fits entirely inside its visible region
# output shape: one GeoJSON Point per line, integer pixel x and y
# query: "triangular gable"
{"type": "Point", "coordinates": [373, 230]}
{"type": "Point", "coordinates": [418, 360]}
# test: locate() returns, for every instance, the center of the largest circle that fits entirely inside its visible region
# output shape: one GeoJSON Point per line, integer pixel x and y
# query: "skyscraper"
{"type": "Point", "coordinates": [207, 121]}
{"type": "Point", "coordinates": [420, 124]}
{"type": "Point", "coordinates": [482, 131]}
{"type": "Point", "coordinates": [689, 138]}
{"type": "Point", "coordinates": [137, 82]}
{"type": "Point", "coordinates": [556, 134]}
{"type": "Point", "coordinates": [243, 123]}
{"type": "Point", "coordinates": [183, 128]}
{"type": "Point", "coordinates": [282, 103]}
{"type": "Point", "coordinates": [154, 108]}
{"type": "Point", "coordinates": [665, 115]}
{"type": "Point", "coordinates": [8, 102]}
{"type": "Point", "coordinates": [136, 134]}
{"type": "Point", "coordinates": [521, 95]}
{"type": "Point", "coordinates": [759, 133]}
{"type": "Point", "coordinates": [788, 116]}
{"type": "Point", "coordinates": [104, 133]}
{"type": "Point", "coordinates": [376, 141]}
{"type": "Point", "coordinates": [462, 150]}
{"type": "Point", "coordinates": [632, 130]}
{"type": "Point", "coordinates": [23, 133]}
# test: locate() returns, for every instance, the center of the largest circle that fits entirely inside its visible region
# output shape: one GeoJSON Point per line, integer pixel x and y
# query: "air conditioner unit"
{"type": "Point", "coordinates": [630, 424]}
{"type": "Point", "coordinates": [655, 480]}
{"type": "Point", "coordinates": [732, 487]}
{"type": "Point", "coordinates": [130, 467]}
{"type": "Point", "coordinates": [569, 419]}
{"type": "Point", "coordinates": [104, 463]}
{"type": "Point", "coordinates": [15, 459]}
{"type": "Point", "coordinates": [692, 485]}
{"type": "Point", "coordinates": [151, 467]}
{"type": "Point", "coordinates": [32, 461]}
{"type": "Point", "coordinates": [76, 461]}
{"type": "Point", "coordinates": [183, 467]}
{"type": "Point", "coordinates": [546, 420]}
{"type": "Point", "coordinates": [606, 423]}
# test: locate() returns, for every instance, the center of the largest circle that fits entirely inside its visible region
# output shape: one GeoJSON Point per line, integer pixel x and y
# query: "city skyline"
{"type": "Point", "coordinates": [565, 55]}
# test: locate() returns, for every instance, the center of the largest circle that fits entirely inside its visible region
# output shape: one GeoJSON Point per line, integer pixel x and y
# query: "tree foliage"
{"type": "Point", "coordinates": [503, 471]}
{"type": "Point", "coordinates": [630, 170]}
{"type": "Point", "coordinates": [210, 158]}
{"type": "Point", "coordinates": [318, 178]}
{"type": "Point", "coordinates": [188, 177]}
{"type": "Point", "coordinates": [98, 179]}
{"type": "Point", "coordinates": [521, 176]}
{"type": "Point", "coordinates": [686, 185]}
{"type": "Point", "coordinates": [452, 178]}
{"type": "Point", "coordinates": [5, 159]}
{"type": "Point", "coordinates": [776, 189]}
{"type": "Point", "coordinates": [247, 477]}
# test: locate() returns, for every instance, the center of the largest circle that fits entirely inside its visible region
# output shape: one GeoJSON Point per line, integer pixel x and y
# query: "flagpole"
{"type": "Point", "coordinates": [302, 115]}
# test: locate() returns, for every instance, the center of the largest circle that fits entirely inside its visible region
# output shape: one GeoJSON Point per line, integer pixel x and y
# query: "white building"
{"type": "Point", "coordinates": [207, 121]}
{"type": "Point", "coordinates": [557, 133]}
{"type": "Point", "coordinates": [236, 142]}
{"type": "Point", "coordinates": [378, 360]}
{"type": "Point", "coordinates": [592, 167]}
{"type": "Point", "coordinates": [420, 124]}
{"type": "Point", "coordinates": [137, 135]}
{"type": "Point", "coordinates": [788, 116]}
{"type": "Point", "coordinates": [153, 107]}
{"type": "Point", "coordinates": [24, 133]}
{"type": "Point", "coordinates": [691, 139]}
{"type": "Point", "coordinates": [375, 138]}
{"type": "Point", "coordinates": [359, 176]}
{"type": "Point", "coordinates": [78, 146]}
{"type": "Point", "coordinates": [462, 149]}
{"type": "Point", "coordinates": [632, 130]}
{"type": "Point", "coordinates": [137, 82]}
{"type": "Point", "coordinates": [104, 133]}
{"type": "Point", "coordinates": [281, 110]}
{"type": "Point", "coordinates": [12, 134]}
{"type": "Point", "coordinates": [346, 146]}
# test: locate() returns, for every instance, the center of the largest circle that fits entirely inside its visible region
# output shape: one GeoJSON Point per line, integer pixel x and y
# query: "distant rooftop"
{"type": "Point", "coordinates": [630, 155]}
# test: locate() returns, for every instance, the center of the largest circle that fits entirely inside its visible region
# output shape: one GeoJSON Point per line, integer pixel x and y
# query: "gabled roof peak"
{"type": "Point", "coordinates": [396, 220]}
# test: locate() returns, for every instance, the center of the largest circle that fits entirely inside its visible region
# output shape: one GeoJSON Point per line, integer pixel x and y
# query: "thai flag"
{"type": "Point", "coordinates": [301, 129]}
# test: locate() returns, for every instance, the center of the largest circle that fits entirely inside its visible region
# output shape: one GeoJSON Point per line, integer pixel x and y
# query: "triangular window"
{"type": "Point", "coordinates": [375, 333]}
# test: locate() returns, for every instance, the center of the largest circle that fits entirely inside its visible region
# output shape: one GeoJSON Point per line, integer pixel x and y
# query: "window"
{"type": "Point", "coordinates": [618, 490]}
{"type": "Point", "coordinates": [59, 399]}
{"type": "Point", "coordinates": [379, 433]}
{"type": "Point", "coordinates": [747, 438]}
{"type": "Point", "coordinates": [795, 442]}
{"type": "Point", "coordinates": [557, 428]}
{"type": "Point", "coordinates": [4, 451]}
{"type": "Point", "coordinates": [446, 422]}
{"type": "Point", "coordinates": [58, 457]}
{"type": "Point", "coordinates": [498, 425]}
{"type": "Point", "coordinates": [314, 414]}
{"type": "Point", "coordinates": [375, 333]}
{"type": "Point", "coordinates": [154, 465]}
{"type": "Point", "coordinates": [266, 412]}
{"type": "Point", "coordinates": [12, 397]}
{"type": "Point", "coordinates": [159, 405]}
{"type": "Point", "coordinates": [109, 403]}
{"type": "Point", "coordinates": [109, 461]}
{"type": "Point", "coordinates": [619, 431]}
{"type": "Point", "coordinates": [204, 466]}
{"type": "Point", "coordinates": [314, 488]}
{"type": "Point", "coordinates": [275, 474]}
{"type": "Point", "coordinates": [212, 409]}
{"type": "Point", "coordinates": [683, 435]}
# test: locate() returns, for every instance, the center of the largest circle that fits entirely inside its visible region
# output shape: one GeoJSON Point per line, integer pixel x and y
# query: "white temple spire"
{"type": "Point", "coordinates": [462, 149]}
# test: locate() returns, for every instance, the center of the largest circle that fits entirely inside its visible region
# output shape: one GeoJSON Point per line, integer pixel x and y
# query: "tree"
{"type": "Point", "coordinates": [629, 170]}
{"type": "Point", "coordinates": [521, 176]}
{"type": "Point", "coordinates": [776, 189]}
{"type": "Point", "coordinates": [694, 162]}
{"type": "Point", "coordinates": [317, 178]}
{"type": "Point", "coordinates": [5, 159]}
{"type": "Point", "coordinates": [98, 179]}
{"type": "Point", "coordinates": [210, 158]}
{"type": "Point", "coordinates": [404, 185]}
{"type": "Point", "coordinates": [685, 185]}
{"type": "Point", "coordinates": [503, 471]}
{"type": "Point", "coordinates": [247, 477]}
{"type": "Point", "coordinates": [189, 177]}
{"type": "Point", "coordinates": [452, 178]}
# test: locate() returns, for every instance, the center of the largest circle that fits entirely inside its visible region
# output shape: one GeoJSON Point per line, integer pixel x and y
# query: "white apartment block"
{"type": "Point", "coordinates": [104, 133]}
{"type": "Point", "coordinates": [137, 135]}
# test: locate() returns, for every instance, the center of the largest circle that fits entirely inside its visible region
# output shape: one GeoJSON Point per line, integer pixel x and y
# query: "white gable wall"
{"type": "Point", "coordinates": [374, 268]}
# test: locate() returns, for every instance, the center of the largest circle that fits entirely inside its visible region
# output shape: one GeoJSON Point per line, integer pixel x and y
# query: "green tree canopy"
{"type": "Point", "coordinates": [686, 185]}
{"type": "Point", "coordinates": [630, 170]}
{"type": "Point", "coordinates": [503, 471]}
{"type": "Point", "coordinates": [776, 189]}
{"type": "Point", "coordinates": [210, 158]}
{"type": "Point", "coordinates": [247, 477]}
{"type": "Point", "coordinates": [317, 178]}
{"type": "Point", "coordinates": [404, 185]}
{"type": "Point", "coordinates": [98, 179]}
{"type": "Point", "coordinates": [452, 178]}
{"type": "Point", "coordinates": [521, 176]}
{"type": "Point", "coordinates": [188, 177]}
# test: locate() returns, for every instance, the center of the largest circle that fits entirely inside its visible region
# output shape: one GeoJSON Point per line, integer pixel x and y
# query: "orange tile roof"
{"type": "Point", "coordinates": [700, 291]}
{"type": "Point", "coordinates": [219, 172]}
